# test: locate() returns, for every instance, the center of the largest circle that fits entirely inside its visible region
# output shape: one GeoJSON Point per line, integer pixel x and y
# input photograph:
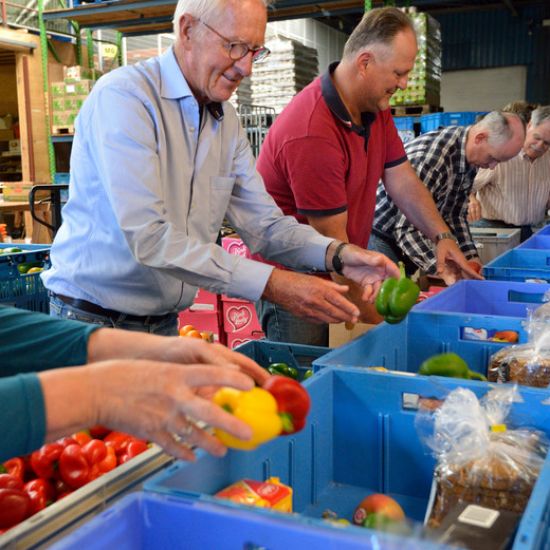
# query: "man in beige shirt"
{"type": "Point", "coordinates": [516, 193]}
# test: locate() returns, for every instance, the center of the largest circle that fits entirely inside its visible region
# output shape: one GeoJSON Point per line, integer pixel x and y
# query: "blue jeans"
{"type": "Point", "coordinates": [166, 327]}
{"type": "Point", "coordinates": [281, 326]}
{"type": "Point", "coordinates": [526, 230]}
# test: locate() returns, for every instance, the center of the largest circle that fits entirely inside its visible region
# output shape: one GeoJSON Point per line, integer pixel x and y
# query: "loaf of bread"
{"type": "Point", "coordinates": [520, 364]}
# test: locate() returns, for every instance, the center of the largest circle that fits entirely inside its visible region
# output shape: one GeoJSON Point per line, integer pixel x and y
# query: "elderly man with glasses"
{"type": "Point", "coordinates": [159, 160]}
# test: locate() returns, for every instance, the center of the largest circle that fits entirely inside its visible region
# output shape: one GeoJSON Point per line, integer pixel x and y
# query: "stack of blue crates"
{"type": "Point", "coordinates": [520, 264]}
{"type": "Point", "coordinates": [24, 290]}
{"type": "Point", "coordinates": [434, 121]}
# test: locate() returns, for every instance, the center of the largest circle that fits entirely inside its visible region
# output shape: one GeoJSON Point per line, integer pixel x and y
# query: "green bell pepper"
{"type": "Point", "coordinates": [282, 369]}
{"type": "Point", "coordinates": [448, 364]}
{"type": "Point", "coordinates": [308, 374]}
{"type": "Point", "coordinates": [396, 297]}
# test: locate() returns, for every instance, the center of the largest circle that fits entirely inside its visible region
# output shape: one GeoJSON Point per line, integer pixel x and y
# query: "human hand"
{"type": "Point", "coordinates": [156, 401]}
{"type": "Point", "coordinates": [474, 209]}
{"type": "Point", "coordinates": [312, 298]}
{"type": "Point", "coordinates": [107, 343]}
{"type": "Point", "coordinates": [452, 265]}
{"type": "Point", "coordinates": [368, 269]}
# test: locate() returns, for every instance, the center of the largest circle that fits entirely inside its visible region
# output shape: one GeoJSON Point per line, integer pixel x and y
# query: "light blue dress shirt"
{"type": "Point", "coordinates": [150, 187]}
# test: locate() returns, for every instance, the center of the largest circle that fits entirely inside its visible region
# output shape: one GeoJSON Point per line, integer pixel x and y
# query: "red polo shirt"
{"type": "Point", "coordinates": [316, 162]}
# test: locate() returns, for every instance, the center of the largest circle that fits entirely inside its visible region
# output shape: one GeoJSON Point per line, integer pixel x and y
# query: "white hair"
{"type": "Point", "coordinates": [540, 115]}
{"type": "Point", "coordinates": [200, 9]}
{"type": "Point", "coordinates": [498, 126]}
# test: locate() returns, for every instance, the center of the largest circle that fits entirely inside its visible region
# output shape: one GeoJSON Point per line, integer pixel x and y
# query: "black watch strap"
{"type": "Point", "coordinates": [337, 263]}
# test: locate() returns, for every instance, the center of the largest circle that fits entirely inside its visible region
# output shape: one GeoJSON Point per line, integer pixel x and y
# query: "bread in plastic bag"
{"type": "Point", "coordinates": [480, 460]}
{"type": "Point", "coordinates": [526, 364]}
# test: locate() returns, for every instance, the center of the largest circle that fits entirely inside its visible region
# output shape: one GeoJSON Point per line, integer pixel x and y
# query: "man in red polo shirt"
{"type": "Point", "coordinates": [327, 150]}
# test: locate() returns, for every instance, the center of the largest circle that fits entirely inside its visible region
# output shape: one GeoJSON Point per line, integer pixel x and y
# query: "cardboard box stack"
{"type": "Point", "coordinates": [69, 95]}
{"type": "Point", "coordinates": [290, 68]}
{"type": "Point", "coordinates": [424, 86]}
{"type": "Point", "coordinates": [232, 321]}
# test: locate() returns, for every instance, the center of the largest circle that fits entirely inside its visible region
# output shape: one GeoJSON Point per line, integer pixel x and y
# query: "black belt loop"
{"type": "Point", "coordinates": [112, 314]}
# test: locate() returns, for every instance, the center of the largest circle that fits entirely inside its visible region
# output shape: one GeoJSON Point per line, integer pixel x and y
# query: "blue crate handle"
{"type": "Point", "coordinates": [526, 297]}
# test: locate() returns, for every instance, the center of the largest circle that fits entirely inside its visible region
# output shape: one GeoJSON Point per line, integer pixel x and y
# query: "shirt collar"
{"type": "Point", "coordinates": [173, 84]}
{"type": "Point", "coordinates": [337, 107]}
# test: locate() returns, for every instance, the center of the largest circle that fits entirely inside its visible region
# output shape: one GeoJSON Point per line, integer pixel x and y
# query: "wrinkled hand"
{"type": "Point", "coordinates": [474, 209]}
{"type": "Point", "coordinates": [156, 401]}
{"type": "Point", "coordinates": [312, 298]}
{"type": "Point", "coordinates": [368, 269]}
{"type": "Point", "coordinates": [176, 349]}
{"type": "Point", "coordinates": [452, 265]}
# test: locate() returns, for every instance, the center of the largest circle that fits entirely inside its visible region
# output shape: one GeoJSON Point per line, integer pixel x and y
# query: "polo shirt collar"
{"type": "Point", "coordinates": [337, 107]}
{"type": "Point", "coordinates": [173, 84]}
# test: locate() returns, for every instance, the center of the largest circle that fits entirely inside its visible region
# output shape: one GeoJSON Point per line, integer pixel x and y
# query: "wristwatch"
{"type": "Point", "coordinates": [445, 235]}
{"type": "Point", "coordinates": [337, 262]}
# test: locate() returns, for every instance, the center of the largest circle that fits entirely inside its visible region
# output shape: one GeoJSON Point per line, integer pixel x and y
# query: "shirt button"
{"type": "Point", "coordinates": [191, 129]}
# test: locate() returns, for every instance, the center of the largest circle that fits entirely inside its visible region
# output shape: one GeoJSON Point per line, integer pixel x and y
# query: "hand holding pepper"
{"type": "Point", "coordinates": [396, 297]}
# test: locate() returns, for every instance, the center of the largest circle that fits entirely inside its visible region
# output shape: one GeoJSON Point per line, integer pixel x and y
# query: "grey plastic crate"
{"type": "Point", "coordinates": [493, 241]}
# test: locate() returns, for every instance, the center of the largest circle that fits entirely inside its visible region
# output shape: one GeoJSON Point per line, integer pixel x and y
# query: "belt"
{"type": "Point", "coordinates": [84, 305]}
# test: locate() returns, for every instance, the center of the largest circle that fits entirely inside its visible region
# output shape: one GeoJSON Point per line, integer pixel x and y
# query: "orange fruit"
{"type": "Point", "coordinates": [207, 336]}
{"type": "Point", "coordinates": [193, 334]}
{"type": "Point", "coordinates": [185, 329]}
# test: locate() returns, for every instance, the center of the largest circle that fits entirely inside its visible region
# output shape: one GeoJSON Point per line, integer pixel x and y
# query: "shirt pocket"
{"type": "Point", "coordinates": [221, 188]}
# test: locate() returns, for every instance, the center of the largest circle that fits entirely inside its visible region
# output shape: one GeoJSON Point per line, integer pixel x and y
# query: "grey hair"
{"type": "Point", "coordinates": [498, 125]}
{"type": "Point", "coordinates": [378, 26]}
{"type": "Point", "coordinates": [540, 115]}
{"type": "Point", "coordinates": [200, 9]}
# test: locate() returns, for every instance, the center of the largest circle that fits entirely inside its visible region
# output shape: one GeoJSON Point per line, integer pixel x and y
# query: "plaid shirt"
{"type": "Point", "coordinates": [439, 159]}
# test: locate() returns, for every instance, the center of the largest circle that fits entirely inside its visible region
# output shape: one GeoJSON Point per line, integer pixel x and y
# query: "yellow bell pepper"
{"type": "Point", "coordinates": [257, 408]}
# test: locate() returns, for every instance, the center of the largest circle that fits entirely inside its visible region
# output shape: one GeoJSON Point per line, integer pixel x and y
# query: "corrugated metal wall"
{"type": "Point", "coordinates": [496, 38]}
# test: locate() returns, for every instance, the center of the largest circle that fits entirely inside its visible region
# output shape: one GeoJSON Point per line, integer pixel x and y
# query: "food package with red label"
{"type": "Point", "coordinates": [263, 494]}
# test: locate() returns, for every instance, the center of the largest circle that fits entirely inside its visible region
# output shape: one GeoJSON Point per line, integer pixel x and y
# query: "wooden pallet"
{"type": "Point", "coordinates": [407, 110]}
{"type": "Point", "coordinates": [62, 130]}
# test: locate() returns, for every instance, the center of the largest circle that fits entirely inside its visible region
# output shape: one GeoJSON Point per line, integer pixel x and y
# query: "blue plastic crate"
{"type": "Point", "coordinates": [544, 231]}
{"type": "Point", "coordinates": [536, 242]}
{"type": "Point", "coordinates": [405, 346]}
{"type": "Point", "coordinates": [360, 438]}
{"type": "Point", "coordinates": [146, 521]}
{"type": "Point", "coordinates": [404, 122]}
{"type": "Point", "coordinates": [299, 356]}
{"type": "Point", "coordinates": [435, 120]}
{"type": "Point", "coordinates": [24, 291]}
{"type": "Point", "coordinates": [431, 122]}
{"type": "Point", "coordinates": [520, 264]}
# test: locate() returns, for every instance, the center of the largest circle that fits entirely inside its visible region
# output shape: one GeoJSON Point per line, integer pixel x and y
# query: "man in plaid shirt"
{"type": "Point", "coordinates": [446, 160]}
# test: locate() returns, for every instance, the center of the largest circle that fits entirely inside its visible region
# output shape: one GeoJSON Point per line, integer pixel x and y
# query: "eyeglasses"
{"type": "Point", "coordinates": [238, 50]}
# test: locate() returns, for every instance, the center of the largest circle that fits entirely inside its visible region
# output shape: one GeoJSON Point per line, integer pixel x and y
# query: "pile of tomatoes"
{"type": "Point", "coordinates": [28, 484]}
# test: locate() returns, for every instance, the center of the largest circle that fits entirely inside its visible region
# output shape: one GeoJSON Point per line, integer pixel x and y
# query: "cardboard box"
{"type": "Point", "coordinates": [239, 317]}
{"type": "Point", "coordinates": [206, 301]}
{"type": "Point", "coordinates": [64, 118]}
{"type": "Point", "coordinates": [236, 246]}
{"type": "Point", "coordinates": [77, 73]}
{"type": "Point", "coordinates": [17, 191]}
{"type": "Point", "coordinates": [340, 334]}
{"type": "Point", "coordinates": [80, 87]}
{"type": "Point", "coordinates": [57, 89]}
{"type": "Point", "coordinates": [206, 321]}
{"type": "Point", "coordinates": [236, 339]}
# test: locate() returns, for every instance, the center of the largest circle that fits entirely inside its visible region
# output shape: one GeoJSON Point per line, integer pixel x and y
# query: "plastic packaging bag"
{"type": "Point", "coordinates": [527, 364]}
{"type": "Point", "coordinates": [480, 460]}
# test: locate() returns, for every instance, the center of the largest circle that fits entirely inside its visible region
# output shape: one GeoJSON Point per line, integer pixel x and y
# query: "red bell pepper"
{"type": "Point", "coordinates": [293, 402]}
{"type": "Point", "coordinates": [66, 441]}
{"type": "Point", "coordinates": [133, 449]}
{"type": "Point", "coordinates": [119, 441]}
{"type": "Point", "coordinates": [44, 461]}
{"type": "Point", "coordinates": [14, 507]}
{"type": "Point", "coordinates": [108, 463]}
{"type": "Point", "coordinates": [82, 437]}
{"type": "Point", "coordinates": [61, 489]}
{"type": "Point", "coordinates": [15, 467]}
{"type": "Point", "coordinates": [94, 451]}
{"type": "Point", "coordinates": [73, 467]}
{"type": "Point", "coordinates": [7, 481]}
{"type": "Point", "coordinates": [99, 432]}
{"type": "Point", "coordinates": [41, 493]}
